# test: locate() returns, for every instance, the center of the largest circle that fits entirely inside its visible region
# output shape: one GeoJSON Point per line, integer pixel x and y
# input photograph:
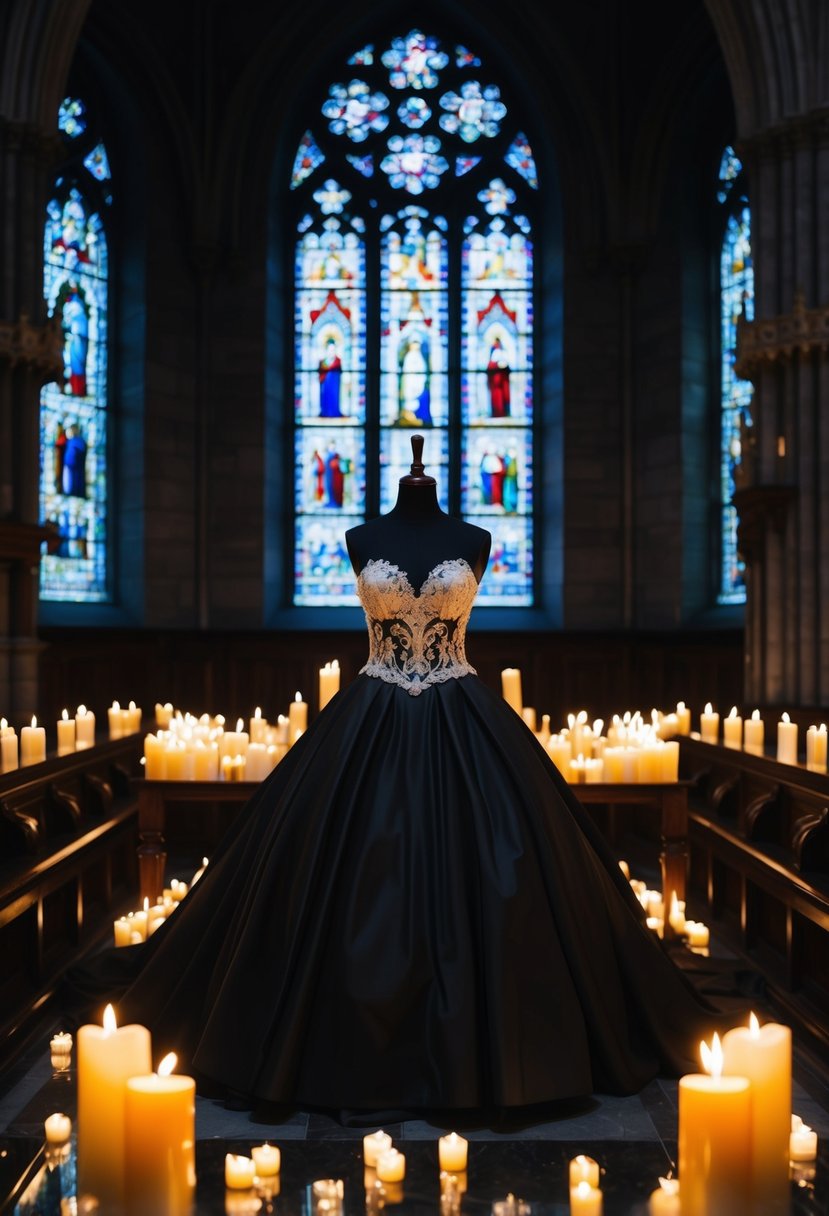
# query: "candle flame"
{"type": "Point", "coordinates": [785, 717]}
{"type": "Point", "coordinates": [670, 1186]}
{"type": "Point", "coordinates": [132, 705]}
{"type": "Point", "coordinates": [571, 720]}
{"type": "Point", "coordinates": [167, 1064]}
{"type": "Point", "coordinates": [34, 721]}
{"type": "Point", "coordinates": [712, 1057]}
{"type": "Point", "coordinates": [257, 712]}
{"type": "Point", "coordinates": [680, 705]}
{"type": "Point", "coordinates": [674, 903]}
{"type": "Point", "coordinates": [146, 903]}
{"type": "Point", "coordinates": [733, 713]}
{"type": "Point", "coordinates": [708, 707]}
{"type": "Point", "coordinates": [598, 725]}
{"type": "Point", "coordinates": [110, 1024]}
{"type": "Point", "coordinates": [81, 711]}
{"type": "Point", "coordinates": [755, 717]}
{"type": "Point", "coordinates": [116, 705]}
{"type": "Point", "coordinates": [240, 726]}
{"type": "Point", "coordinates": [583, 1189]}
{"type": "Point", "coordinates": [754, 1026]}
{"type": "Point", "coordinates": [298, 696]}
{"type": "Point", "coordinates": [65, 715]}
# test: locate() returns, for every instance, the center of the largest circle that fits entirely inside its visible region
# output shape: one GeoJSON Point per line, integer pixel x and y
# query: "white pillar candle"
{"type": "Point", "coordinates": [239, 1172]}
{"type": "Point", "coordinates": [683, 718]}
{"type": "Point", "coordinates": [107, 1057]}
{"type": "Point", "coordinates": [58, 1129]}
{"type": "Point", "coordinates": [32, 744]}
{"type": "Point", "coordinates": [267, 1159]}
{"type": "Point", "coordinates": [676, 914]}
{"type": "Point", "coordinates": [297, 718]}
{"type": "Point", "coordinates": [132, 719]}
{"type": "Point", "coordinates": [670, 761]}
{"type": "Point", "coordinates": [764, 1055]}
{"type": "Point", "coordinates": [585, 1200]}
{"type": "Point", "coordinates": [122, 929]}
{"type": "Point", "coordinates": [665, 1200]}
{"type": "Point", "coordinates": [84, 728]}
{"type": "Point", "coordinates": [66, 734]}
{"type": "Point", "coordinates": [802, 1144]}
{"type": "Point", "coordinates": [329, 684]}
{"type": "Point", "coordinates": [163, 714]}
{"type": "Point", "coordinates": [732, 728]}
{"type": "Point", "coordinates": [257, 726]}
{"type": "Point", "coordinates": [753, 734]}
{"type": "Point", "coordinates": [8, 750]}
{"type": "Point", "coordinates": [584, 1169]}
{"type": "Point", "coordinates": [511, 688]}
{"type": "Point", "coordinates": [816, 748]}
{"type": "Point", "coordinates": [709, 725]}
{"type": "Point", "coordinates": [116, 720]}
{"type": "Point", "coordinates": [391, 1166]}
{"type": "Point", "coordinates": [160, 1141]}
{"type": "Point", "coordinates": [373, 1145]}
{"type": "Point", "coordinates": [786, 740]}
{"type": "Point", "coordinates": [560, 752]}
{"type": "Point", "coordinates": [452, 1153]}
{"type": "Point", "coordinates": [257, 763]}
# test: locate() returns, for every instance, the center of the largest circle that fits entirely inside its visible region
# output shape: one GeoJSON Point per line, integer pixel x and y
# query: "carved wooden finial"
{"type": "Point", "coordinates": [418, 475]}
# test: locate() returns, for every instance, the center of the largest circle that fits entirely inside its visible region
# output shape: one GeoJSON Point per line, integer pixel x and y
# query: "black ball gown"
{"type": "Point", "coordinates": [414, 912]}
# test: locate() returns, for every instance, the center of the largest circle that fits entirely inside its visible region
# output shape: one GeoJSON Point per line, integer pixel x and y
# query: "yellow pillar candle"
{"type": "Point", "coordinates": [670, 761]}
{"type": "Point", "coordinates": [66, 734]}
{"type": "Point", "coordinates": [732, 729]}
{"type": "Point", "coordinates": [560, 752]}
{"type": "Point", "coordinates": [683, 718]}
{"type": "Point", "coordinates": [160, 1139]}
{"type": "Point", "coordinates": [753, 734]}
{"type": "Point", "coordinates": [816, 748]}
{"type": "Point", "coordinates": [8, 749]}
{"type": "Point", "coordinates": [297, 718]}
{"type": "Point", "coordinates": [391, 1166]}
{"type": "Point", "coordinates": [32, 744]}
{"type": "Point", "coordinates": [697, 933]}
{"type": "Point", "coordinates": [122, 928]}
{"type": "Point", "coordinates": [373, 1145]}
{"type": "Point", "coordinates": [452, 1153]}
{"type": "Point", "coordinates": [511, 688]}
{"type": "Point", "coordinates": [802, 1143]}
{"type": "Point", "coordinates": [585, 1200]}
{"type": "Point", "coordinates": [764, 1055]}
{"type": "Point", "coordinates": [709, 725]}
{"type": "Point", "coordinates": [584, 1169]}
{"type": "Point", "coordinates": [239, 1172]}
{"type": "Point", "coordinates": [715, 1140]}
{"type": "Point", "coordinates": [163, 714]}
{"type": "Point", "coordinates": [84, 728]}
{"type": "Point", "coordinates": [257, 727]}
{"type": "Point", "coordinates": [786, 740]}
{"type": "Point", "coordinates": [116, 720]}
{"type": "Point", "coordinates": [108, 1056]}
{"type": "Point", "coordinates": [267, 1159]}
{"type": "Point", "coordinates": [329, 682]}
{"type": "Point", "coordinates": [57, 1129]}
{"type": "Point", "coordinates": [665, 1200]}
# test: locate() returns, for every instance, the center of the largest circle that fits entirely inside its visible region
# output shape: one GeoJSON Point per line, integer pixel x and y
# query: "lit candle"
{"type": "Point", "coordinates": [584, 1169]}
{"type": "Point", "coordinates": [84, 728]}
{"type": "Point", "coordinates": [160, 1138]}
{"type": "Point", "coordinates": [132, 719]}
{"type": "Point", "coordinates": [373, 1145]}
{"type": "Point", "coordinates": [665, 1200]}
{"type": "Point", "coordinates": [116, 721]}
{"type": "Point", "coordinates": [709, 725]}
{"type": "Point", "coordinates": [625, 868]}
{"type": "Point", "coordinates": [764, 1055]}
{"type": "Point", "coordinates": [32, 744]}
{"type": "Point", "coordinates": [258, 726]}
{"type": "Point", "coordinates": [732, 728]}
{"type": "Point", "coordinates": [676, 914]}
{"type": "Point", "coordinates": [511, 688]}
{"type": "Point", "coordinates": [715, 1139]}
{"type": "Point", "coordinates": [8, 747]}
{"type": "Point", "coordinates": [802, 1143]}
{"type": "Point", "coordinates": [786, 740]}
{"type": "Point", "coordinates": [816, 748]}
{"type": "Point", "coordinates": [452, 1153]}
{"type": "Point", "coordinates": [329, 682]}
{"type": "Point", "coordinates": [267, 1159]}
{"type": "Point", "coordinates": [239, 1172]}
{"type": "Point", "coordinates": [753, 734]}
{"type": "Point", "coordinates": [58, 1129]}
{"type": "Point", "coordinates": [585, 1200]}
{"type": "Point", "coordinates": [683, 718]}
{"type": "Point", "coordinates": [391, 1166]}
{"type": "Point", "coordinates": [60, 1050]}
{"type": "Point", "coordinates": [66, 734]}
{"type": "Point", "coordinates": [528, 714]}
{"type": "Point", "coordinates": [140, 920]}
{"type": "Point", "coordinates": [107, 1057]}
{"type": "Point", "coordinates": [297, 718]}
{"type": "Point", "coordinates": [697, 933]}
{"type": "Point", "coordinates": [163, 714]}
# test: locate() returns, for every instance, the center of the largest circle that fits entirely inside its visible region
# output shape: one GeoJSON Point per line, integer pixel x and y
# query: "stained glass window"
{"type": "Point", "coordinates": [73, 411]}
{"type": "Point", "coordinates": [414, 297]}
{"type": "Point", "coordinates": [736, 299]}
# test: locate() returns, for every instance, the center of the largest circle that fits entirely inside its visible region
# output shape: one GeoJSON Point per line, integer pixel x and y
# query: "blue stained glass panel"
{"type": "Point", "coordinates": [414, 163]}
{"type": "Point", "coordinates": [72, 117]}
{"type": "Point", "coordinates": [463, 164]}
{"type": "Point", "coordinates": [736, 299]}
{"type": "Point", "coordinates": [730, 169]}
{"type": "Point", "coordinates": [363, 58]}
{"type": "Point", "coordinates": [497, 471]}
{"type": "Point", "coordinates": [322, 569]}
{"type": "Point", "coordinates": [414, 61]}
{"type": "Point", "coordinates": [355, 111]}
{"type": "Point", "coordinates": [396, 462]}
{"type": "Point", "coordinates": [473, 112]}
{"type": "Point", "coordinates": [330, 470]}
{"type": "Point", "coordinates": [308, 158]}
{"type": "Point", "coordinates": [520, 158]}
{"type": "Point", "coordinates": [465, 58]}
{"type": "Point", "coordinates": [363, 164]}
{"type": "Point", "coordinates": [97, 163]}
{"type": "Point", "coordinates": [508, 580]}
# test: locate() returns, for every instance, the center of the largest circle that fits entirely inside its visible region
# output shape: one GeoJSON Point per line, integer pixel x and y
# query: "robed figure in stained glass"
{"type": "Point", "coordinates": [497, 380]}
{"type": "Point", "coordinates": [76, 346]}
{"type": "Point", "coordinates": [74, 462]}
{"type": "Point", "coordinates": [415, 403]}
{"type": "Point", "coordinates": [330, 373]}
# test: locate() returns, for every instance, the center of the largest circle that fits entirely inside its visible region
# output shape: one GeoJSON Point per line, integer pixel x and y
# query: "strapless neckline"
{"type": "Point", "coordinates": [432, 580]}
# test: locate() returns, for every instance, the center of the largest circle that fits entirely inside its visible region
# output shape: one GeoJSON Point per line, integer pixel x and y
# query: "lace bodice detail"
{"type": "Point", "coordinates": [417, 639]}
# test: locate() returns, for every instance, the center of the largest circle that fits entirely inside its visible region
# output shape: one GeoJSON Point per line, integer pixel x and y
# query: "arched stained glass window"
{"type": "Point", "coordinates": [73, 418]}
{"type": "Point", "coordinates": [414, 188]}
{"type": "Point", "coordinates": [736, 299]}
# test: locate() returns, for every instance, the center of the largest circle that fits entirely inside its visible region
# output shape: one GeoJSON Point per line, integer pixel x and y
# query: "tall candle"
{"type": "Point", "coordinates": [32, 744]}
{"type": "Point", "coordinates": [511, 688]}
{"type": "Point", "coordinates": [753, 732]}
{"type": "Point", "coordinates": [66, 734]}
{"type": "Point", "coordinates": [816, 748]}
{"type": "Point", "coordinates": [715, 1140]}
{"type": "Point", "coordinates": [329, 682]}
{"type": "Point", "coordinates": [84, 728]}
{"type": "Point", "coordinates": [683, 718]}
{"type": "Point", "coordinates": [107, 1057]}
{"type": "Point", "coordinates": [8, 749]}
{"type": "Point", "coordinates": [116, 721]}
{"type": "Point", "coordinates": [709, 725]}
{"type": "Point", "coordinates": [297, 718]}
{"type": "Point", "coordinates": [732, 729]}
{"type": "Point", "coordinates": [764, 1055]}
{"type": "Point", "coordinates": [160, 1139]}
{"type": "Point", "coordinates": [258, 727]}
{"type": "Point", "coordinates": [786, 740]}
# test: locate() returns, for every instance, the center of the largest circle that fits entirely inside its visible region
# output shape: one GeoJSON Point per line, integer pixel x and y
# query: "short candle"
{"type": "Point", "coordinates": [391, 1166]}
{"type": "Point", "coordinates": [452, 1153]}
{"type": "Point", "coordinates": [60, 1048]}
{"type": "Point", "coordinates": [803, 1144]}
{"type": "Point", "coordinates": [373, 1145]}
{"type": "Point", "coordinates": [585, 1200]}
{"type": "Point", "coordinates": [665, 1200]}
{"type": "Point", "coordinates": [239, 1172]}
{"type": "Point", "coordinates": [584, 1169]}
{"type": "Point", "coordinates": [267, 1159]}
{"type": "Point", "coordinates": [58, 1129]}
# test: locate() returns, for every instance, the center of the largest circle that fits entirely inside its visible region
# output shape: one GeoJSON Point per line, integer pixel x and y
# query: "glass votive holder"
{"type": "Point", "coordinates": [60, 1050]}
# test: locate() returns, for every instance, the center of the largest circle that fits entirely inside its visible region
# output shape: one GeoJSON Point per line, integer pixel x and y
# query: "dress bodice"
{"type": "Point", "coordinates": [417, 638]}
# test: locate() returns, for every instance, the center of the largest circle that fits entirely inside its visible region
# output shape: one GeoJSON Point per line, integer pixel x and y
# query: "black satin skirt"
{"type": "Point", "coordinates": [414, 912]}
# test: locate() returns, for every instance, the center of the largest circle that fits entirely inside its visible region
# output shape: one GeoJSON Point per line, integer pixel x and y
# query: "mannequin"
{"type": "Point", "coordinates": [416, 534]}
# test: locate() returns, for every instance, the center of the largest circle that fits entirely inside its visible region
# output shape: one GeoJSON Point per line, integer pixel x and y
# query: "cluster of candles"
{"type": "Point", "coordinates": [186, 748]}
{"type": "Point", "coordinates": [695, 933]}
{"type": "Point", "coordinates": [135, 927]}
{"type": "Point", "coordinates": [136, 1134]}
{"type": "Point", "coordinates": [73, 734]}
{"type": "Point", "coordinates": [748, 735]}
